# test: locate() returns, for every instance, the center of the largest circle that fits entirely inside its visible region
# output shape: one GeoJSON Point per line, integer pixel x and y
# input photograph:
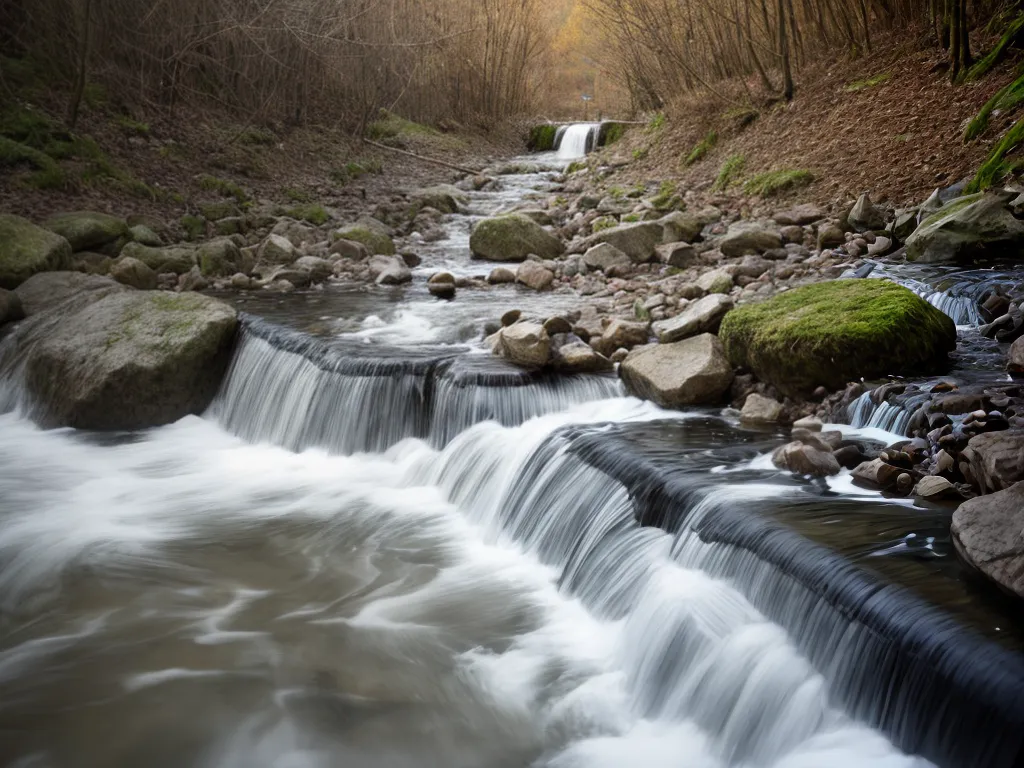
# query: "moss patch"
{"type": "Point", "coordinates": [870, 82]}
{"type": "Point", "coordinates": [700, 151]}
{"type": "Point", "coordinates": [313, 213]}
{"type": "Point", "coordinates": [730, 171]}
{"type": "Point", "coordinates": [542, 138]}
{"type": "Point", "coordinates": [377, 242]}
{"type": "Point", "coordinates": [831, 333]}
{"type": "Point", "coordinates": [772, 182]}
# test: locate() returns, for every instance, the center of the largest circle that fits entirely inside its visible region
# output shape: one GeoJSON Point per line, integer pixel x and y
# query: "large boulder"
{"type": "Point", "coordinates": [745, 237]}
{"type": "Point", "coordinates": [988, 532]}
{"type": "Point", "coordinates": [52, 289]}
{"type": "Point", "coordinates": [512, 237]}
{"type": "Point", "coordinates": [993, 461]}
{"type": "Point", "coordinates": [965, 228]}
{"type": "Point", "coordinates": [90, 231]}
{"type": "Point", "coordinates": [220, 258]}
{"type": "Point", "coordinates": [702, 316]}
{"type": "Point", "coordinates": [175, 259]}
{"type": "Point", "coordinates": [605, 257]}
{"type": "Point", "coordinates": [525, 343]}
{"type": "Point", "coordinates": [133, 359]}
{"type": "Point", "coordinates": [637, 241]}
{"type": "Point", "coordinates": [278, 249]}
{"type": "Point", "coordinates": [830, 333]}
{"type": "Point", "coordinates": [690, 372]}
{"type": "Point", "coordinates": [26, 249]}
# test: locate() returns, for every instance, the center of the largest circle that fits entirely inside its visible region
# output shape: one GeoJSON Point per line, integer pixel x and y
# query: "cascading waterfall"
{"type": "Point", "coordinates": [292, 390]}
{"type": "Point", "coordinates": [575, 141]}
{"type": "Point", "coordinates": [889, 417]}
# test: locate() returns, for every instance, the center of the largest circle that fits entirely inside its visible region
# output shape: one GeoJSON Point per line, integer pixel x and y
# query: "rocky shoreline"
{"type": "Point", "coordinates": [694, 305]}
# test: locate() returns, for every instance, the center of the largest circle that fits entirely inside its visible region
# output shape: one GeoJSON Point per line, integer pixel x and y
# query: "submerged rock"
{"type": "Point", "coordinates": [690, 372]}
{"type": "Point", "coordinates": [512, 237]}
{"type": "Point", "coordinates": [831, 333]}
{"type": "Point", "coordinates": [131, 360]}
{"type": "Point", "coordinates": [965, 228]}
{"type": "Point", "coordinates": [988, 532]}
{"type": "Point", "coordinates": [26, 249]}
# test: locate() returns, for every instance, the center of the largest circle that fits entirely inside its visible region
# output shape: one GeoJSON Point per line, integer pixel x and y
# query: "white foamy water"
{"type": "Point", "coordinates": [183, 597]}
{"type": "Point", "coordinates": [575, 140]}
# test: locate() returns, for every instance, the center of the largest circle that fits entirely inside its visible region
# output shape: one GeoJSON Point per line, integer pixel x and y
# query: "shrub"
{"type": "Point", "coordinates": [772, 182]}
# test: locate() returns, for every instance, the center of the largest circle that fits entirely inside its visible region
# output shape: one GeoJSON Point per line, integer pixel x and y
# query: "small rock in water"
{"type": "Point", "coordinates": [534, 275]}
{"type": "Point", "coordinates": [759, 409]}
{"type": "Point", "coordinates": [810, 423]}
{"type": "Point", "coordinates": [511, 317]}
{"type": "Point", "coordinates": [442, 285]}
{"type": "Point", "coordinates": [805, 460]}
{"type": "Point", "coordinates": [935, 487]}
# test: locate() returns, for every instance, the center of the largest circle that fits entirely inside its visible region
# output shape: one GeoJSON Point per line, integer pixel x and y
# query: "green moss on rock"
{"type": "Point", "coordinates": [88, 230]}
{"type": "Point", "coordinates": [377, 242]}
{"type": "Point", "coordinates": [26, 249]}
{"type": "Point", "coordinates": [542, 138]}
{"type": "Point", "coordinates": [832, 333]}
{"type": "Point", "coordinates": [512, 237]}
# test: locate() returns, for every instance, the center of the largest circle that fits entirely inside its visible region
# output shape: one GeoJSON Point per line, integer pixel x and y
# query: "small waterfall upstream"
{"type": "Point", "coordinates": [575, 141]}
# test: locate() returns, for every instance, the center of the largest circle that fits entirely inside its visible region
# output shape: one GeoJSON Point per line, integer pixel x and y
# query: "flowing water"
{"type": "Point", "coordinates": [380, 547]}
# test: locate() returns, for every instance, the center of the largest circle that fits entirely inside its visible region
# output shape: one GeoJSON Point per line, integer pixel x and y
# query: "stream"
{"type": "Point", "coordinates": [381, 547]}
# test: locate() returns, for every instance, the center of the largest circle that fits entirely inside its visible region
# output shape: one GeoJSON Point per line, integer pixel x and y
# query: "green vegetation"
{"type": "Point", "coordinates": [297, 195]}
{"type": "Point", "coordinates": [997, 166]}
{"type": "Point", "coordinates": [542, 138]}
{"type": "Point", "coordinates": [871, 82]}
{"type": "Point", "coordinates": [223, 187]}
{"type": "Point", "coordinates": [1006, 99]}
{"type": "Point", "coordinates": [741, 116]}
{"type": "Point", "coordinates": [1011, 37]}
{"type": "Point", "coordinates": [602, 223]}
{"type": "Point", "coordinates": [834, 332]}
{"type": "Point", "coordinates": [259, 137]}
{"type": "Point", "coordinates": [730, 171]}
{"type": "Point", "coordinates": [611, 133]}
{"type": "Point", "coordinates": [576, 165]}
{"type": "Point", "coordinates": [657, 122]}
{"type": "Point", "coordinates": [667, 198]}
{"type": "Point", "coordinates": [640, 153]}
{"type": "Point", "coordinates": [391, 126]}
{"type": "Point", "coordinates": [772, 182]}
{"type": "Point", "coordinates": [313, 213]}
{"type": "Point", "coordinates": [700, 151]}
{"type": "Point", "coordinates": [131, 127]}
{"type": "Point", "coordinates": [194, 226]}
{"type": "Point", "coordinates": [631, 218]}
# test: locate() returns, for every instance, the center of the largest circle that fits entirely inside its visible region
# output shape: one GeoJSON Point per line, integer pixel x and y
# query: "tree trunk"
{"type": "Point", "coordinates": [787, 72]}
{"type": "Point", "coordinates": [84, 23]}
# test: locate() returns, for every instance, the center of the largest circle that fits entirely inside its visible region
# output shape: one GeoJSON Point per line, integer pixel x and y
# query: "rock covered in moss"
{"type": "Point", "coordinates": [90, 231]}
{"type": "Point", "coordinates": [690, 372]}
{"type": "Point", "coordinates": [512, 237]}
{"type": "Point", "coordinates": [376, 241]}
{"type": "Point", "coordinates": [176, 259]}
{"type": "Point", "coordinates": [133, 272]}
{"type": "Point", "coordinates": [220, 258]}
{"type": "Point", "coordinates": [26, 249]}
{"type": "Point", "coordinates": [831, 333]}
{"type": "Point", "coordinates": [445, 198]}
{"type": "Point", "coordinates": [965, 228]}
{"type": "Point", "coordinates": [131, 360]}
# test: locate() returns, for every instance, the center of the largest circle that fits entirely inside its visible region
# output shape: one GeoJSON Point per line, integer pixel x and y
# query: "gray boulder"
{"type": "Point", "coordinates": [605, 257]}
{"type": "Point", "coordinates": [988, 532]}
{"type": "Point", "coordinates": [637, 241]}
{"type": "Point", "coordinates": [318, 269]}
{"type": "Point", "coordinates": [804, 459]}
{"type": "Point", "coordinates": [758, 409]}
{"type": "Point", "coordinates": [701, 316]}
{"type": "Point", "coordinates": [621, 334]}
{"type": "Point", "coordinates": [715, 281]}
{"type": "Point", "coordinates": [512, 237]}
{"type": "Point", "coordinates": [90, 231]}
{"type": "Point", "coordinates": [26, 249]}
{"type": "Point", "coordinates": [441, 197]}
{"type": "Point", "coordinates": [134, 273]}
{"type": "Point", "coordinates": [525, 344]}
{"type": "Point", "coordinates": [131, 360]}
{"type": "Point", "coordinates": [176, 259]}
{"type": "Point", "coordinates": [1015, 359]}
{"type": "Point", "coordinates": [220, 258]}
{"type": "Point", "coordinates": [389, 270]}
{"type": "Point", "coordinates": [806, 213]}
{"type": "Point", "coordinates": [966, 228]}
{"type": "Point", "coordinates": [278, 249]}
{"type": "Point", "coordinates": [295, 232]}
{"type": "Point", "coordinates": [534, 275]}
{"type": "Point", "coordinates": [349, 249]}
{"type": "Point", "coordinates": [993, 461]}
{"type": "Point", "coordinates": [745, 237]}
{"type": "Point", "coordinates": [680, 226]}
{"type": "Point", "coordinates": [577, 357]}
{"type": "Point", "coordinates": [680, 255]}
{"type": "Point", "coordinates": [690, 372]}
{"type": "Point", "coordinates": [52, 289]}
{"type": "Point", "coordinates": [10, 307]}
{"type": "Point", "coordinates": [865, 215]}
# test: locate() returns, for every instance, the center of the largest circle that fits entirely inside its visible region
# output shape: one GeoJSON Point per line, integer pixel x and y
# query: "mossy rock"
{"type": "Point", "coordinates": [542, 138]}
{"type": "Point", "coordinates": [194, 226]}
{"type": "Point", "coordinates": [377, 242]}
{"type": "Point", "coordinates": [26, 249]}
{"type": "Point", "coordinates": [968, 227]}
{"type": "Point", "coordinates": [178, 259]}
{"type": "Point", "coordinates": [512, 237]}
{"type": "Point", "coordinates": [221, 209]}
{"type": "Point", "coordinates": [90, 231]}
{"type": "Point", "coordinates": [831, 333]}
{"type": "Point", "coordinates": [445, 198]}
{"type": "Point", "coordinates": [220, 258]}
